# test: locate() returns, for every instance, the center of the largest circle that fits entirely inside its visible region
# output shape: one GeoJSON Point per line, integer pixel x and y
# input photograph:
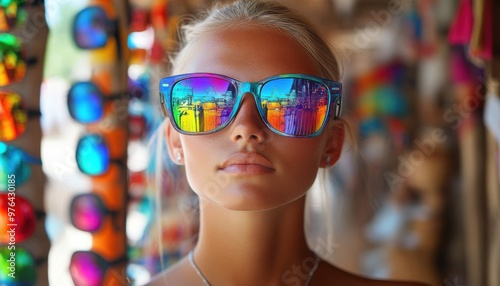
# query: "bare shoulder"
{"type": "Point", "coordinates": [176, 275]}
{"type": "Point", "coordinates": [328, 274]}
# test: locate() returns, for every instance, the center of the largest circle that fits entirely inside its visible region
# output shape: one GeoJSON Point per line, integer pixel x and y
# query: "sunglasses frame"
{"type": "Point", "coordinates": [30, 113]}
{"type": "Point", "coordinates": [19, 50]}
{"type": "Point", "coordinates": [20, 200]}
{"type": "Point", "coordinates": [14, 22]}
{"type": "Point", "coordinates": [103, 264]}
{"type": "Point", "coordinates": [118, 162]}
{"type": "Point", "coordinates": [112, 29]}
{"type": "Point", "coordinates": [334, 89]}
{"type": "Point", "coordinates": [26, 159]}
{"type": "Point", "coordinates": [103, 210]}
{"type": "Point", "coordinates": [36, 262]}
{"type": "Point", "coordinates": [102, 97]}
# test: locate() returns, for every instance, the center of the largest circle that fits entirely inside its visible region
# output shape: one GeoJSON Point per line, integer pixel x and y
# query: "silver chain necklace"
{"type": "Point", "coordinates": [205, 280]}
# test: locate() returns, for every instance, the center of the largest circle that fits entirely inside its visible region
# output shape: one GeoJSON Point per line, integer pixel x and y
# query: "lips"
{"type": "Point", "coordinates": [247, 163]}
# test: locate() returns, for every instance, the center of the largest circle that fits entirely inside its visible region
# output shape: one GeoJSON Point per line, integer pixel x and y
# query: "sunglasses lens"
{"type": "Point", "coordinates": [85, 102]}
{"type": "Point", "coordinates": [87, 269]}
{"type": "Point", "coordinates": [11, 14]}
{"type": "Point", "coordinates": [92, 155]}
{"type": "Point", "coordinates": [12, 65]}
{"type": "Point", "coordinates": [90, 28]}
{"type": "Point", "coordinates": [16, 210]}
{"type": "Point", "coordinates": [12, 162]}
{"type": "Point", "coordinates": [24, 266]}
{"type": "Point", "coordinates": [202, 104]}
{"type": "Point", "coordinates": [13, 116]}
{"type": "Point", "coordinates": [86, 213]}
{"type": "Point", "coordinates": [295, 106]}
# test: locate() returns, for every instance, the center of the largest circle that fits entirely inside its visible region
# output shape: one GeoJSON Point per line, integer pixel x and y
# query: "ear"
{"type": "Point", "coordinates": [335, 141]}
{"type": "Point", "coordinates": [174, 144]}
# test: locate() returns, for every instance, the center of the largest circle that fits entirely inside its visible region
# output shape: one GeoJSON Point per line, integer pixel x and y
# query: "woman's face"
{"type": "Point", "coordinates": [246, 166]}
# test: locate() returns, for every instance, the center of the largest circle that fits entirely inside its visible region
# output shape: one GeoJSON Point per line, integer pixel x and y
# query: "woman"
{"type": "Point", "coordinates": [252, 151]}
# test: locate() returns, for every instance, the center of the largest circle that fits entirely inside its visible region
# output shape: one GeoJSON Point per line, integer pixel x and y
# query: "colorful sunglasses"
{"type": "Point", "coordinates": [86, 103]}
{"type": "Point", "coordinates": [13, 12]}
{"type": "Point", "coordinates": [87, 268]}
{"type": "Point", "coordinates": [17, 218]}
{"type": "Point", "coordinates": [292, 105]}
{"type": "Point", "coordinates": [13, 64]}
{"type": "Point", "coordinates": [14, 166]}
{"type": "Point", "coordinates": [92, 28]}
{"type": "Point", "coordinates": [87, 213]}
{"type": "Point", "coordinates": [139, 87]}
{"type": "Point", "coordinates": [13, 115]}
{"type": "Point", "coordinates": [93, 156]}
{"type": "Point", "coordinates": [25, 266]}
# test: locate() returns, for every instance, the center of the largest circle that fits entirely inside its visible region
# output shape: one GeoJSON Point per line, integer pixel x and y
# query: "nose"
{"type": "Point", "coordinates": [247, 125]}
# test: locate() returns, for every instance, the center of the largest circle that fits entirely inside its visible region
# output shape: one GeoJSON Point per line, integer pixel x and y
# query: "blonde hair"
{"type": "Point", "coordinates": [319, 203]}
{"type": "Point", "coordinates": [265, 13]}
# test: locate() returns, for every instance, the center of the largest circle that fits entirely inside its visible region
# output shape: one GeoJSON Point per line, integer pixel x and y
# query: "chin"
{"type": "Point", "coordinates": [252, 199]}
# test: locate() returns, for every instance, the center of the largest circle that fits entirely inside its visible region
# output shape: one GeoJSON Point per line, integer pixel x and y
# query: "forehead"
{"type": "Point", "coordinates": [250, 53]}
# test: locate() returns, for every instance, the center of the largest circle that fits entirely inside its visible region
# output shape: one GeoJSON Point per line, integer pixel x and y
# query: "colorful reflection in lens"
{"type": "Point", "coordinates": [11, 14]}
{"type": "Point", "coordinates": [293, 106]}
{"type": "Point", "coordinates": [13, 116]}
{"type": "Point", "coordinates": [92, 155]}
{"type": "Point", "coordinates": [202, 104]}
{"type": "Point", "coordinates": [16, 260]}
{"type": "Point", "coordinates": [88, 212]}
{"type": "Point", "coordinates": [12, 65]}
{"type": "Point", "coordinates": [17, 218]}
{"type": "Point", "coordinates": [89, 269]}
{"type": "Point", "coordinates": [85, 102]}
{"type": "Point", "coordinates": [91, 28]}
{"type": "Point", "coordinates": [14, 162]}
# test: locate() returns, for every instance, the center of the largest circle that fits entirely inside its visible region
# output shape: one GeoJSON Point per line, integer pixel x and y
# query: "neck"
{"type": "Point", "coordinates": [256, 247]}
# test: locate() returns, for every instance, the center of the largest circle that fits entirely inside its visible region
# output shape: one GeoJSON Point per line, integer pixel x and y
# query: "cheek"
{"type": "Point", "coordinates": [200, 162]}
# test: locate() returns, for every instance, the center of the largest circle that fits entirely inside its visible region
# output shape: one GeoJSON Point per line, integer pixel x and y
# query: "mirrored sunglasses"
{"type": "Point", "coordinates": [14, 166]}
{"type": "Point", "coordinates": [293, 105]}
{"type": "Point", "coordinates": [25, 266]}
{"type": "Point", "coordinates": [88, 211]}
{"type": "Point", "coordinates": [88, 268]}
{"type": "Point", "coordinates": [13, 63]}
{"type": "Point", "coordinates": [13, 13]}
{"type": "Point", "coordinates": [92, 28]}
{"type": "Point", "coordinates": [16, 210]}
{"type": "Point", "coordinates": [13, 115]}
{"type": "Point", "coordinates": [93, 155]}
{"type": "Point", "coordinates": [86, 102]}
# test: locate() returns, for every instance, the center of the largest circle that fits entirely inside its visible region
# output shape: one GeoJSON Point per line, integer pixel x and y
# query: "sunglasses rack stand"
{"type": "Point", "coordinates": [24, 245]}
{"type": "Point", "coordinates": [108, 79]}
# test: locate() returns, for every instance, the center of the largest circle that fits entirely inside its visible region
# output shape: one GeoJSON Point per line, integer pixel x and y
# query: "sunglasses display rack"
{"type": "Point", "coordinates": [24, 244]}
{"type": "Point", "coordinates": [147, 62]}
{"type": "Point", "coordinates": [100, 103]}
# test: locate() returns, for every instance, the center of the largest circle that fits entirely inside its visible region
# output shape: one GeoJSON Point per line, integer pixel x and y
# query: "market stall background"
{"type": "Point", "coordinates": [418, 197]}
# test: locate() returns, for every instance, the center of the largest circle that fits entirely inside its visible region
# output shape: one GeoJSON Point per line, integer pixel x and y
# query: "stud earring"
{"type": "Point", "coordinates": [327, 161]}
{"type": "Point", "coordinates": [178, 157]}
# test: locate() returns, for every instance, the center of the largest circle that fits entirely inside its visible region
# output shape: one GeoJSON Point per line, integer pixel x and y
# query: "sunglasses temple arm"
{"type": "Point", "coordinates": [31, 159]}
{"type": "Point", "coordinates": [115, 96]}
{"type": "Point", "coordinates": [116, 35]}
{"type": "Point", "coordinates": [33, 113]}
{"type": "Point", "coordinates": [118, 261]}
